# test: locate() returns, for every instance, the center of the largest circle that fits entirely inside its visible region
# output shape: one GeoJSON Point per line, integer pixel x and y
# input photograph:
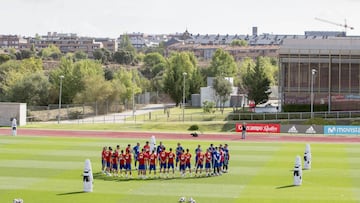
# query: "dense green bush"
{"type": "Point", "coordinates": [193, 127]}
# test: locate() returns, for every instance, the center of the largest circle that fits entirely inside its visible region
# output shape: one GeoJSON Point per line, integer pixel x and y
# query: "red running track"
{"type": "Point", "coordinates": [181, 136]}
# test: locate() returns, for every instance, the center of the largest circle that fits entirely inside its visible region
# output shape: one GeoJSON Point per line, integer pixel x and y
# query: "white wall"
{"type": "Point", "coordinates": [208, 94]}
{"type": "Point", "coordinates": [11, 110]}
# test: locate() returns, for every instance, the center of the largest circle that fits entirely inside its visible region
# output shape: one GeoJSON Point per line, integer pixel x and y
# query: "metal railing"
{"type": "Point", "coordinates": [130, 117]}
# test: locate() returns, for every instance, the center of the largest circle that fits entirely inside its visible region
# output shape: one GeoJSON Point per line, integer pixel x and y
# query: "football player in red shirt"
{"type": "Point", "coordinates": [103, 159]}
{"type": "Point", "coordinates": [128, 149]}
{"type": "Point", "coordinates": [163, 158]}
{"type": "Point", "coordinates": [152, 162]}
{"type": "Point", "coordinates": [114, 162]}
{"type": "Point", "coordinates": [182, 160]}
{"type": "Point", "coordinates": [170, 161]}
{"type": "Point", "coordinates": [200, 162]}
{"type": "Point", "coordinates": [108, 161]}
{"type": "Point", "coordinates": [222, 158]}
{"type": "Point", "coordinates": [208, 161]}
{"type": "Point", "coordinates": [128, 164]}
{"type": "Point", "coordinates": [188, 161]}
{"type": "Point", "coordinates": [142, 162]}
{"type": "Point", "coordinates": [147, 147]}
{"type": "Point", "coordinates": [122, 162]}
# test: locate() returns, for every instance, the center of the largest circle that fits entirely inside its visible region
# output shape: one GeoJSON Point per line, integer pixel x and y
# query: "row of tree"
{"type": "Point", "coordinates": [89, 80]}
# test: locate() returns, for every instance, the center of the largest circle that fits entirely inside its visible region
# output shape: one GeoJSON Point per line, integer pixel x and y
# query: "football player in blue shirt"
{"type": "Point", "coordinates": [136, 151]}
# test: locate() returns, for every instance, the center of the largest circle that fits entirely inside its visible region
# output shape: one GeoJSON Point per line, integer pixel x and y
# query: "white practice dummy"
{"type": "Point", "coordinates": [297, 171]}
{"type": "Point", "coordinates": [307, 157]}
{"type": "Point", "coordinates": [152, 143]}
{"type": "Point", "coordinates": [13, 127]}
{"type": "Point", "coordinates": [88, 176]}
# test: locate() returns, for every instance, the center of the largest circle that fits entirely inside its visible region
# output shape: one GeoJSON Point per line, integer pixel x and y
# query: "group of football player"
{"type": "Point", "coordinates": [117, 162]}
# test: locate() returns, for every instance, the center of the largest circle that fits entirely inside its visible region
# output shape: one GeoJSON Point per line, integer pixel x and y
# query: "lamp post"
{"type": "Point", "coordinates": [183, 103]}
{"type": "Point", "coordinates": [313, 73]}
{"type": "Point", "coordinates": [133, 97]}
{"type": "Point", "coordinates": [61, 77]}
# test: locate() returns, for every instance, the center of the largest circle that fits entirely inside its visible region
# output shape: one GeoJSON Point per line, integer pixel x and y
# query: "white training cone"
{"type": "Point", "coordinates": [297, 171]}
{"type": "Point", "coordinates": [152, 143]}
{"type": "Point", "coordinates": [13, 127]}
{"type": "Point", "coordinates": [307, 157]}
{"type": "Point", "coordinates": [88, 176]}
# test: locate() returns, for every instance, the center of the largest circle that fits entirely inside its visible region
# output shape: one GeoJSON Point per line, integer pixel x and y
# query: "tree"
{"type": "Point", "coordinates": [33, 89]}
{"type": "Point", "coordinates": [271, 69]}
{"type": "Point", "coordinates": [257, 83]}
{"type": "Point", "coordinates": [178, 63]}
{"type": "Point", "coordinates": [223, 89]}
{"type": "Point", "coordinates": [123, 57]}
{"type": "Point", "coordinates": [80, 55]}
{"type": "Point", "coordinates": [129, 81]}
{"type": "Point", "coordinates": [243, 67]}
{"type": "Point", "coordinates": [12, 71]}
{"type": "Point", "coordinates": [154, 63]}
{"type": "Point", "coordinates": [222, 64]}
{"type": "Point", "coordinates": [103, 55]}
{"type": "Point", "coordinates": [153, 70]}
{"type": "Point", "coordinates": [126, 45]}
{"type": "Point", "coordinates": [96, 89]}
{"type": "Point", "coordinates": [197, 81]}
{"type": "Point", "coordinates": [208, 107]}
{"type": "Point", "coordinates": [24, 54]}
{"type": "Point", "coordinates": [51, 52]}
{"type": "Point", "coordinates": [74, 74]}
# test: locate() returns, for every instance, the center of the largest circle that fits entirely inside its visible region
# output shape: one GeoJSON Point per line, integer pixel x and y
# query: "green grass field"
{"type": "Point", "coordinates": [48, 169]}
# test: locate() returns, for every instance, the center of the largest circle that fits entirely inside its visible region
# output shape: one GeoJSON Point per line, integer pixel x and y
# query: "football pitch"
{"type": "Point", "coordinates": [49, 169]}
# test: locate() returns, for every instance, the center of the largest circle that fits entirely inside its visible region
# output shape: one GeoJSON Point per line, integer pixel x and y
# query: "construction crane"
{"type": "Point", "coordinates": [346, 26]}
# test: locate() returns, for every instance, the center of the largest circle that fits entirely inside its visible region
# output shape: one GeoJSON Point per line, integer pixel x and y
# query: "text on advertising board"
{"type": "Point", "coordinates": [341, 130]}
{"type": "Point", "coordinates": [259, 127]}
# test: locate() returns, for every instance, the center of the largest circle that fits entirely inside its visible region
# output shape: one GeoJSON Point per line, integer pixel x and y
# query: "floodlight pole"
{"type": "Point", "coordinates": [313, 73]}
{"type": "Point", "coordinates": [183, 103]}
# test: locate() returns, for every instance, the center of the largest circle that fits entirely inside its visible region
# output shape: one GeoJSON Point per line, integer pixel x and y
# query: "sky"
{"type": "Point", "coordinates": [110, 18]}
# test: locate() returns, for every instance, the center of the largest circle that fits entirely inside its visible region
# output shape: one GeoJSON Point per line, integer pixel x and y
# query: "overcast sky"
{"type": "Point", "coordinates": [110, 18]}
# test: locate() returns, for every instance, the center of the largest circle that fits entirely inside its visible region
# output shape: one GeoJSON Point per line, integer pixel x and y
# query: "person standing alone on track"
{"type": "Point", "coordinates": [243, 133]}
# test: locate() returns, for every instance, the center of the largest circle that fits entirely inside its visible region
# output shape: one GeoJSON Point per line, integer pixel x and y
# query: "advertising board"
{"type": "Point", "coordinates": [259, 127]}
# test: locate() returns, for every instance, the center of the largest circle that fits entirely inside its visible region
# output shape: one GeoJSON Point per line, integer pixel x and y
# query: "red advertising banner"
{"type": "Point", "coordinates": [259, 127]}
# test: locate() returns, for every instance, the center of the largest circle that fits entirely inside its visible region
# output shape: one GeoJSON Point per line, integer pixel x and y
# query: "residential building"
{"type": "Point", "coordinates": [66, 43]}
{"type": "Point", "coordinates": [108, 43]}
{"type": "Point", "coordinates": [12, 41]}
{"type": "Point", "coordinates": [206, 52]}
